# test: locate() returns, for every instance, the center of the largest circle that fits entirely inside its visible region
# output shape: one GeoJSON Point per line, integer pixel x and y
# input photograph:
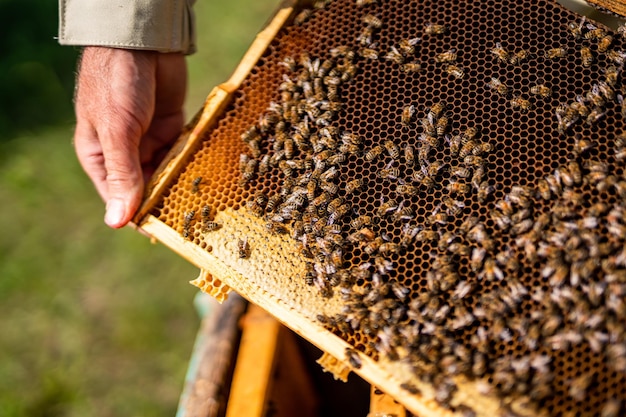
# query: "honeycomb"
{"type": "Point", "coordinates": [439, 184]}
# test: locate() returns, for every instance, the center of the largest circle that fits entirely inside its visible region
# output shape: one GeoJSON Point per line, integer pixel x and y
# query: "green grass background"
{"type": "Point", "coordinates": [93, 321]}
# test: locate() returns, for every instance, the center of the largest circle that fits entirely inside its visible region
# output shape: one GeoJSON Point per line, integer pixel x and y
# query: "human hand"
{"type": "Point", "coordinates": [129, 111]}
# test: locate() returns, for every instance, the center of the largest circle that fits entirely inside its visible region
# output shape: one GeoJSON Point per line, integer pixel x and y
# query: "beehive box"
{"type": "Point", "coordinates": [432, 192]}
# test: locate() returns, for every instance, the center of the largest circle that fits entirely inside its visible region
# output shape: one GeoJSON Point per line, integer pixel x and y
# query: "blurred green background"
{"type": "Point", "coordinates": [93, 322]}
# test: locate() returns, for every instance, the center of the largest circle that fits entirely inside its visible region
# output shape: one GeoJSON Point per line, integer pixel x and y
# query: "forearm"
{"type": "Point", "coordinates": [157, 25]}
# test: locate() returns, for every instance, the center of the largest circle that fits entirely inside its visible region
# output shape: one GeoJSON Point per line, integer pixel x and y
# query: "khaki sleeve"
{"type": "Point", "coordinates": [158, 25]}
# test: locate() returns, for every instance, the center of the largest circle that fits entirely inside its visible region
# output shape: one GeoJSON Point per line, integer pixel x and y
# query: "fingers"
{"type": "Point", "coordinates": [89, 152]}
{"type": "Point", "coordinates": [124, 179]}
{"type": "Point", "coordinates": [114, 107]}
{"type": "Point", "coordinates": [129, 113]}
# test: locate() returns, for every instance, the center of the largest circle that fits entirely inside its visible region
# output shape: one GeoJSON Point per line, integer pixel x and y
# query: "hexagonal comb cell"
{"type": "Point", "coordinates": [441, 185]}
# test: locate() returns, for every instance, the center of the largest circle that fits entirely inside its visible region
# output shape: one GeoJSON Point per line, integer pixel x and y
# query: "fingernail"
{"type": "Point", "coordinates": [114, 212]}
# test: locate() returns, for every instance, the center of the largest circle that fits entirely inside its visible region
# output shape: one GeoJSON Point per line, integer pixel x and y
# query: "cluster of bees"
{"type": "Point", "coordinates": [298, 138]}
{"type": "Point", "coordinates": [206, 221]}
{"type": "Point", "coordinates": [591, 106]}
{"type": "Point", "coordinates": [448, 59]}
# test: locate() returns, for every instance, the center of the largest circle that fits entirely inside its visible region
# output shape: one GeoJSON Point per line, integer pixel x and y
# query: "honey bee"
{"type": "Point", "coordinates": [500, 53]}
{"type": "Point", "coordinates": [210, 226]}
{"type": "Point", "coordinates": [366, 2]}
{"type": "Point", "coordinates": [205, 213]}
{"type": "Point", "coordinates": [374, 153]}
{"type": "Point", "coordinates": [484, 191]}
{"type": "Point", "coordinates": [336, 159]}
{"type": "Point", "coordinates": [498, 86]}
{"type": "Point", "coordinates": [617, 56]}
{"type": "Point", "coordinates": [477, 258]}
{"type": "Point", "coordinates": [255, 148]}
{"type": "Point", "coordinates": [579, 107]}
{"type": "Point", "coordinates": [407, 46]}
{"type": "Point", "coordinates": [586, 56]}
{"type": "Point", "coordinates": [502, 220]}
{"type": "Point", "coordinates": [595, 115]}
{"type": "Point", "coordinates": [468, 224]}
{"type": "Point", "coordinates": [457, 187]}
{"type": "Point", "coordinates": [409, 154]}
{"type": "Point", "coordinates": [429, 127]}
{"type": "Point", "coordinates": [541, 90]}
{"type": "Point", "coordinates": [468, 148]}
{"type": "Point", "coordinates": [555, 53]}
{"type": "Point", "coordinates": [302, 17]}
{"type": "Point", "coordinates": [595, 96]}
{"type": "Point", "coordinates": [435, 167]}
{"type": "Point", "coordinates": [387, 207]}
{"type": "Point", "coordinates": [460, 249]}
{"type": "Point", "coordinates": [187, 223]}
{"type": "Point", "coordinates": [366, 35]}
{"type": "Point", "coordinates": [520, 103]}
{"type": "Point", "coordinates": [582, 145]}
{"type": "Point", "coordinates": [354, 185]}
{"type": "Point", "coordinates": [574, 170]}
{"type": "Point", "coordinates": [408, 113]}
{"type": "Point", "coordinates": [243, 248]}
{"type": "Point", "coordinates": [455, 144]}
{"type": "Point", "coordinates": [576, 30]}
{"type": "Point", "coordinates": [612, 406]}
{"type": "Point", "coordinates": [250, 170]}
{"type": "Point", "coordinates": [359, 222]}
{"type": "Point", "coordinates": [461, 172]}
{"type": "Point", "coordinates": [372, 246]}
{"type": "Point", "coordinates": [389, 247]}
{"type": "Point", "coordinates": [455, 71]}
{"type": "Point", "coordinates": [453, 207]}
{"type": "Point", "coordinates": [522, 227]}
{"type": "Point", "coordinates": [479, 234]}
{"type": "Point", "coordinates": [395, 56]}
{"type": "Point", "coordinates": [353, 358]}
{"type": "Point", "coordinates": [440, 218]}
{"type": "Point", "coordinates": [578, 386]}
{"type": "Point", "coordinates": [392, 149]}
{"type": "Point", "coordinates": [407, 190]}
{"type": "Point", "coordinates": [568, 115]}
{"type": "Point", "coordinates": [330, 174]}
{"type": "Point", "coordinates": [341, 51]}
{"type": "Point", "coordinates": [368, 53]}
{"type": "Point", "coordinates": [473, 160]}
{"type": "Point", "coordinates": [606, 90]}
{"type": "Point", "coordinates": [442, 126]}
{"type": "Point", "coordinates": [427, 235]}
{"type": "Point", "coordinates": [268, 120]}
{"type": "Point", "coordinates": [605, 43]}
{"type": "Point", "coordinates": [410, 67]}
{"type": "Point", "coordinates": [372, 21]}
{"type": "Point", "coordinates": [389, 173]}
{"type": "Point", "coordinates": [195, 184]}
{"type": "Point", "coordinates": [435, 111]}
{"type": "Point", "coordinates": [519, 57]}
{"type": "Point", "coordinates": [433, 29]}
{"type": "Point", "coordinates": [273, 202]}
{"type": "Point", "coordinates": [349, 148]}
{"type": "Point", "coordinates": [491, 270]}
{"type": "Point", "coordinates": [446, 57]}
{"type": "Point", "coordinates": [264, 164]}
{"type": "Point", "coordinates": [431, 142]}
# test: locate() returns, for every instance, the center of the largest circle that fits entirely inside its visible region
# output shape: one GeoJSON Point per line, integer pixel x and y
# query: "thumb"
{"type": "Point", "coordinates": [124, 176]}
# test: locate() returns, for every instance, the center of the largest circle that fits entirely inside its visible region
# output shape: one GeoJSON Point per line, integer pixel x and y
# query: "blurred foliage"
{"type": "Point", "coordinates": [36, 73]}
{"type": "Point", "coordinates": [95, 322]}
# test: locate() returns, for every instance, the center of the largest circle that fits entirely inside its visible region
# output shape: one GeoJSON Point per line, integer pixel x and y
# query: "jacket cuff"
{"type": "Point", "coordinates": [157, 25]}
